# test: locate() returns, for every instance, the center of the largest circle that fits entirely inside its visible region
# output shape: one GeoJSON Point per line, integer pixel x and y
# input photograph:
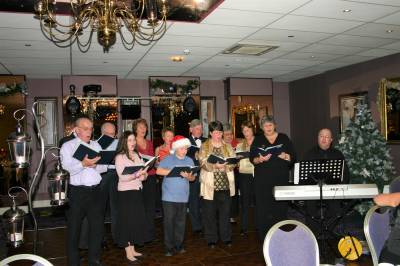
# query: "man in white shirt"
{"type": "Point", "coordinates": [84, 194]}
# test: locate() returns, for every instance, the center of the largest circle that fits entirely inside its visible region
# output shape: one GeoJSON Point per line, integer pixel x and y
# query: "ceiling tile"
{"type": "Point", "coordinates": [334, 9]}
{"type": "Point", "coordinates": [376, 30]}
{"type": "Point", "coordinates": [293, 62]}
{"type": "Point", "coordinates": [351, 40]}
{"type": "Point", "coordinates": [281, 46]}
{"type": "Point", "coordinates": [380, 2]}
{"type": "Point", "coordinates": [392, 46]}
{"type": "Point", "coordinates": [303, 23]}
{"type": "Point", "coordinates": [269, 34]}
{"type": "Point", "coordinates": [281, 6]}
{"type": "Point", "coordinates": [179, 50]}
{"type": "Point", "coordinates": [392, 19]}
{"type": "Point", "coordinates": [327, 66]}
{"type": "Point", "coordinates": [331, 49]}
{"type": "Point", "coordinates": [265, 72]}
{"type": "Point", "coordinates": [352, 59]}
{"type": "Point", "coordinates": [272, 67]}
{"type": "Point", "coordinates": [206, 30]}
{"type": "Point", "coordinates": [310, 56]}
{"type": "Point", "coordinates": [378, 52]}
{"type": "Point", "coordinates": [182, 40]}
{"type": "Point", "coordinates": [233, 17]}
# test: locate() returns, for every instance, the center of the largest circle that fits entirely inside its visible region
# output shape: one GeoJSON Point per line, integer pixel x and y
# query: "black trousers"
{"type": "Point", "coordinates": [195, 205]}
{"type": "Point", "coordinates": [108, 186]}
{"type": "Point", "coordinates": [217, 212]}
{"type": "Point", "coordinates": [246, 188]}
{"type": "Point", "coordinates": [149, 198]}
{"type": "Point", "coordinates": [85, 201]}
{"type": "Point", "coordinates": [174, 219]}
{"type": "Point", "coordinates": [236, 198]}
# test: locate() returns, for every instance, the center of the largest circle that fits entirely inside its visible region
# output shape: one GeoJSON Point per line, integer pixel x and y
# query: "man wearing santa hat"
{"type": "Point", "coordinates": [175, 195]}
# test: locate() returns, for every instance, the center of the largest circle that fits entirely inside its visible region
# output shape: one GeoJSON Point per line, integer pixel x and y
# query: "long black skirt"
{"type": "Point", "coordinates": [131, 218]}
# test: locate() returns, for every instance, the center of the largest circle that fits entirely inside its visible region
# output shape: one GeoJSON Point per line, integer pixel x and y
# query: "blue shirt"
{"type": "Point", "coordinates": [175, 189]}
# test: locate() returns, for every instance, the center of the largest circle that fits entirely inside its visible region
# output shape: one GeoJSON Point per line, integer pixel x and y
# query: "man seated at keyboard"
{"type": "Point", "coordinates": [324, 150]}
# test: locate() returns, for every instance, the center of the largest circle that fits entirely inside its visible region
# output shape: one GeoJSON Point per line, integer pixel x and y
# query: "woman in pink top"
{"type": "Point", "coordinates": [145, 147]}
{"type": "Point", "coordinates": [131, 212]}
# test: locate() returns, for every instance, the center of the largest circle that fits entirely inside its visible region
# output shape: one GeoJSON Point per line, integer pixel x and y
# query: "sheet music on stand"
{"type": "Point", "coordinates": [310, 171]}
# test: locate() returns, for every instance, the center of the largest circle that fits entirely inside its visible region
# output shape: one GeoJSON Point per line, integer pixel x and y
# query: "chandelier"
{"type": "Point", "coordinates": [136, 21]}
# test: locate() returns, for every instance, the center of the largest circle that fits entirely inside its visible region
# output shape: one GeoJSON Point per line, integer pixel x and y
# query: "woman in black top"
{"type": "Point", "coordinates": [269, 171]}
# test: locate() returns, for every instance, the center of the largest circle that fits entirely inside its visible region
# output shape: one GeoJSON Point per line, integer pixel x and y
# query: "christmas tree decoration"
{"type": "Point", "coordinates": [366, 152]}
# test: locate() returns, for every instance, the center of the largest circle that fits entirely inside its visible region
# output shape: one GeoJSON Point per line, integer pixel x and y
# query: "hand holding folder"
{"type": "Point", "coordinates": [214, 159]}
{"type": "Point", "coordinates": [132, 169]}
{"type": "Point", "coordinates": [177, 170]}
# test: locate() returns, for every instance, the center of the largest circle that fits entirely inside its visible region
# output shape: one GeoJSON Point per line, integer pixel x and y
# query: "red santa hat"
{"type": "Point", "coordinates": [180, 141]}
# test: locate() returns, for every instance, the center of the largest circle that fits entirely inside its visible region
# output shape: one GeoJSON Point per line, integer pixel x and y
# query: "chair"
{"type": "Point", "coordinates": [395, 185]}
{"type": "Point", "coordinates": [39, 260]}
{"type": "Point", "coordinates": [297, 247]}
{"type": "Point", "coordinates": [376, 230]}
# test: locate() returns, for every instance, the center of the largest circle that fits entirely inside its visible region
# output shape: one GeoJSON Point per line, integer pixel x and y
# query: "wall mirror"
{"type": "Point", "coordinates": [11, 99]}
{"type": "Point", "coordinates": [249, 108]}
{"type": "Point", "coordinates": [389, 103]}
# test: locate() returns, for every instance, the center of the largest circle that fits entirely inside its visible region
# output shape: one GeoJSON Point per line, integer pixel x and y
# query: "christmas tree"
{"type": "Point", "coordinates": [366, 152]}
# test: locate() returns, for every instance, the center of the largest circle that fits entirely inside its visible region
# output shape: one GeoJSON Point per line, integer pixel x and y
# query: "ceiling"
{"type": "Point", "coordinates": [313, 37]}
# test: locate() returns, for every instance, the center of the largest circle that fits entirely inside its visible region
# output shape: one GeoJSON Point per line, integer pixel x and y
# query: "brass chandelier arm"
{"type": "Point", "coordinates": [107, 18]}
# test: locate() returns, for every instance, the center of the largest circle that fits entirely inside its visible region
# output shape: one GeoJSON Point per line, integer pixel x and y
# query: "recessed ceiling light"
{"type": "Point", "coordinates": [28, 45]}
{"type": "Point", "coordinates": [186, 51]}
{"type": "Point", "coordinates": [176, 58]}
{"type": "Point", "coordinates": [291, 36]}
{"type": "Point", "coordinates": [227, 65]}
{"type": "Point", "coordinates": [105, 62]}
{"type": "Point", "coordinates": [389, 31]}
{"type": "Point", "coordinates": [346, 10]}
{"type": "Point", "coordinates": [313, 56]}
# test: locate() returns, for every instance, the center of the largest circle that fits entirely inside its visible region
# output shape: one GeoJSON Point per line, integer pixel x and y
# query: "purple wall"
{"type": "Point", "coordinates": [54, 88]}
{"type": "Point", "coordinates": [315, 100]}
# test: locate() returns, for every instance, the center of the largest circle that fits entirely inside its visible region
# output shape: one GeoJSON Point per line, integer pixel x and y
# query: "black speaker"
{"type": "Point", "coordinates": [227, 89]}
{"type": "Point", "coordinates": [130, 112]}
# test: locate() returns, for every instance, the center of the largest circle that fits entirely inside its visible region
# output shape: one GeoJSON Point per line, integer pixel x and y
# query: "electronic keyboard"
{"type": "Point", "coordinates": [338, 191]}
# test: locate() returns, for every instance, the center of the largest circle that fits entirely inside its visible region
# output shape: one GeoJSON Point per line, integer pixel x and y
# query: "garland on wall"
{"type": "Point", "coordinates": [6, 90]}
{"type": "Point", "coordinates": [170, 87]}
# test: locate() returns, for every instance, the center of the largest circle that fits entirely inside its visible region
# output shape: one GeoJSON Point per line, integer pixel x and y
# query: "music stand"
{"type": "Point", "coordinates": [319, 172]}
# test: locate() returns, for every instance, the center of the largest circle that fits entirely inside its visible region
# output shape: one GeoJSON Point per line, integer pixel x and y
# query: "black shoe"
{"type": "Point", "coordinates": [228, 243]}
{"type": "Point", "coordinates": [211, 245]}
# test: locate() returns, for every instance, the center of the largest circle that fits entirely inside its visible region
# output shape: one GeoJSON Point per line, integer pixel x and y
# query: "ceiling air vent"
{"type": "Point", "coordinates": [249, 49]}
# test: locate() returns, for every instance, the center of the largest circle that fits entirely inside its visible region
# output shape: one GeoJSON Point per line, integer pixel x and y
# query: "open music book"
{"type": "Point", "coordinates": [132, 169]}
{"type": "Point", "coordinates": [274, 150]}
{"type": "Point", "coordinates": [106, 157]}
{"type": "Point", "coordinates": [176, 171]}
{"type": "Point", "coordinates": [217, 159]}
{"type": "Point", "coordinates": [105, 141]}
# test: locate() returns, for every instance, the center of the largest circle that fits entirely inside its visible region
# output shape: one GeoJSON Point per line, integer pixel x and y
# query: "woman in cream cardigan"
{"type": "Point", "coordinates": [217, 185]}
